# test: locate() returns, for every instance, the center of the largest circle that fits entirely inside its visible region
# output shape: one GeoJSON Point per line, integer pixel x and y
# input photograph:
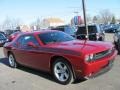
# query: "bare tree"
{"type": "Point", "coordinates": [89, 19]}
{"type": "Point", "coordinates": [106, 16]}
{"type": "Point", "coordinates": [36, 23]}
{"type": "Point", "coordinates": [113, 21]}
{"type": "Point", "coordinates": [118, 21]}
{"type": "Point", "coordinates": [11, 23]}
{"type": "Point", "coordinates": [95, 19]}
{"type": "Point", "coordinates": [7, 23]}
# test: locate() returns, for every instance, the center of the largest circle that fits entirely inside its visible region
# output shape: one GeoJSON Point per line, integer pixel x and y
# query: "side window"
{"type": "Point", "coordinates": [99, 29]}
{"type": "Point", "coordinates": [23, 40]}
{"type": "Point", "coordinates": [2, 36]}
{"type": "Point", "coordinates": [29, 38]}
{"type": "Point", "coordinates": [62, 29]}
{"type": "Point", "coordinates": [18, 42]}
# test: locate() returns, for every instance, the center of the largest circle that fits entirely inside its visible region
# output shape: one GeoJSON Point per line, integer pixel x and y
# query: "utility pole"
{"type": "Point", "coordinates": [85, 20]}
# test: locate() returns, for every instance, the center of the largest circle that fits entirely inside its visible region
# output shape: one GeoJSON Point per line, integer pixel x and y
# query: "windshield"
{"type": "Point", "coordinates": [70, 30]}
{"type": "Point", "coordinates": [52, 37]}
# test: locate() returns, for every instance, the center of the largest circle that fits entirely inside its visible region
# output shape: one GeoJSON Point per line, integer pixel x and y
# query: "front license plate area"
{"type": "Point", "coordinates": [110, 63]}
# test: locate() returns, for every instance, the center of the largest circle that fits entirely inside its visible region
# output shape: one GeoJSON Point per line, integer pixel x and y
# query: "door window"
{"type": "Point", "coordinates": [23, 41]}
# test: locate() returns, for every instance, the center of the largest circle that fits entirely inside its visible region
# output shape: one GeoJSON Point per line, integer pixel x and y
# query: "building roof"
{"type": "Point", "coordinates": [55, 20]}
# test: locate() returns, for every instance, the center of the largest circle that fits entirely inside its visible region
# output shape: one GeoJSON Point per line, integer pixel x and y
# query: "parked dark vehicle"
{"type": "Point", "coordinates": [111, 28]}
{"type": "Point", "coordinates": [66, 28]}
{"type": "Point", "coordinates": [13, 36]}
{"type": "Point", "coordinates": [2, 32]}
{"type": "Point", "coordinates": [2, 39]}
{"type": "Point", "coordinates": [94, 31]}
{"type": "Point", "coordinates": [117, 39]}
{"type": "Point", "coordinates": [9, 32]}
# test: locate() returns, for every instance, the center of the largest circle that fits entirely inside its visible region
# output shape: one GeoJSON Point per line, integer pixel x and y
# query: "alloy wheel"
{"type": "Point", "coordinates": [12, 61]}
{"type": "Point", "coordinates": [61, 71]}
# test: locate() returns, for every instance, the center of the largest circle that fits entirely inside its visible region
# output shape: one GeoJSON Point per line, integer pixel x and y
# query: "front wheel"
{"type": "Point", "coordinates": [62, 71]}
{"type": "Point", "coordinates": [12, 60]}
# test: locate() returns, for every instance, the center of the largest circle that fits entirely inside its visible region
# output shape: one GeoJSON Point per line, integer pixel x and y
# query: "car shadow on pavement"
{"type": "Point", "coordinates": [37, 72]}
{"type": "Point", "coordinates": [4, 61]}
{"type": "Point", "coordinates": [29, 70]}
{"type": "Point", "coordinates": [79, 81]}
{"type": "Point", "coordinates": [45, 75]}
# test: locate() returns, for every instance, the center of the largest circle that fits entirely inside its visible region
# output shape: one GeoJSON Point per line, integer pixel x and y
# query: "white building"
{"type": "Point", "coordinates": [52, 22]}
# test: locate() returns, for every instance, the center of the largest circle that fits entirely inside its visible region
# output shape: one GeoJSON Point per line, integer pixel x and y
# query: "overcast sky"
{"type": "Point", "coordinates": [29, 10]}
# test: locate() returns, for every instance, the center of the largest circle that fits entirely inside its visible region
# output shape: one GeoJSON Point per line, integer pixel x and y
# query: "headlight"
{"type": "Point", "coordinates": [89, 57]}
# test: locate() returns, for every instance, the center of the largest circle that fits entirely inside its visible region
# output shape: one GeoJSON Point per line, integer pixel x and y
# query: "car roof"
{"type": "Point", "coordinates": [2, 34]}
{"type": "Point", "coordinates": [39, 32]}
{"type": "Point", "coordinates": [88, 25]}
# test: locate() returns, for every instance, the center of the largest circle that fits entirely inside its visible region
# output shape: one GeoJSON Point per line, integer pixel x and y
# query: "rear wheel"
{"type": "Point", "coordinates": [103, 38]}
{"type": "Point", "coordinates": [12, 60]}
{"type": "Point", "coordinates": [62, 71]}
{"type": "Point", "coordinates": [118, 46]}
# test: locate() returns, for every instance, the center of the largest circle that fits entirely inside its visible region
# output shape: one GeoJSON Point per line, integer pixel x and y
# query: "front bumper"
{"type": "Point", "coordinates": [102, 71]}
{"type": "Point", "coordinates": [97, 67]}
{"type": "Point", "coordinates": [100, 65]}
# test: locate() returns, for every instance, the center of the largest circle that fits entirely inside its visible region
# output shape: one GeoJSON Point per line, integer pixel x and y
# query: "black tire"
{"type": "Point", "coordinates": [12, 60]}
{"type": "Point", "coordinates": [115, 43]}
{"type": "Point", "coordinates": [118, 46]}
{"type": "Point", "coordinates": [63, 72]}
{"type": "Point", "coordinates": [102, 38]}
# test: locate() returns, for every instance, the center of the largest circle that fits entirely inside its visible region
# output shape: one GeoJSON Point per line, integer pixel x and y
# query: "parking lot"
{"type": "Point", "coordinates": [24, 78]}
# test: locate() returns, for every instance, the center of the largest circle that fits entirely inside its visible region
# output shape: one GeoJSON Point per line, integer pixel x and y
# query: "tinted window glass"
{"type": "Point", "coordinates": [58, 28]}
{"type": "Point", "coordinates": [29, 38]}
{"type": "Point", "coordinates": [51, 37]}
{"type": "Point", "coordinates": [25, 39]}
{"type": "Point", "coordinates": [91, 29]}
{"type": "Point", "coordinates": [70, 30]}
{"type": "Point", "coordinates": [2, 36]}
{"type": "Point", "coordinates": [19, 41]}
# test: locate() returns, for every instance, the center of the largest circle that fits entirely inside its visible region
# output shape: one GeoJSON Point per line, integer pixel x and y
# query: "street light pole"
{"type": "Point", "coordinates": [85, 20]}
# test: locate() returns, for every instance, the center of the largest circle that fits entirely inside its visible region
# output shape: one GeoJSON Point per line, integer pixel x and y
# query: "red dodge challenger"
{"type": "Point", "coordinates": [60, 54]}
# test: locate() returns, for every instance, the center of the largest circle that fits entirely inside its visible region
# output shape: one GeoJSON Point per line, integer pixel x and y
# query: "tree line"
{"type": "Point", "coordinates": [103, 17]}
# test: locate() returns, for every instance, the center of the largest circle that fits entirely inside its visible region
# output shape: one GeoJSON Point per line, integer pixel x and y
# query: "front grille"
{"type": "Point", "coordinates": [103, 54]}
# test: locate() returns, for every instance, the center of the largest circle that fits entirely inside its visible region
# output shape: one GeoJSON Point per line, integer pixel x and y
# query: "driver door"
{"type": "Point", "coordinates": [28, 55]}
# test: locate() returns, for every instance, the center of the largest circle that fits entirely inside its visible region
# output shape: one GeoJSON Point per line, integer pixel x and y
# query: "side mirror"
{"type": "Point", "coordinates": [31, 44]}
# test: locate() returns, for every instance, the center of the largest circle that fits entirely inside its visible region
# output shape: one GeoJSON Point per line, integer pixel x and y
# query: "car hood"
{"type": "Point", "coordinates": [82, 46]}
